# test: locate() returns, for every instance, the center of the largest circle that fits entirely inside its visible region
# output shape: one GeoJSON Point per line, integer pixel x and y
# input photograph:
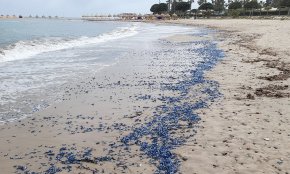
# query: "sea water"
{"type": "Point", "coordinates": [38, 57]}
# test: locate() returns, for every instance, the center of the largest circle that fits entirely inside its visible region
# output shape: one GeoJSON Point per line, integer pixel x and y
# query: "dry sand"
{"type": "Point", "coordinates": [248, 131]}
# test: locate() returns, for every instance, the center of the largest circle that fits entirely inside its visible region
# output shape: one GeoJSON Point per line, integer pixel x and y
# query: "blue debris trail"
{"type": "Point", "coordinates": [156, 138]}
{"type": "Point", "coordinates": [160, 128]}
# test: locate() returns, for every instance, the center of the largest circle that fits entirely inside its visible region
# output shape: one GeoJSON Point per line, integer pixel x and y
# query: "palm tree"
{"type": "Point", "coordinates": [169, 3]}
{"type": "Point", "coordinates": [173, 6]}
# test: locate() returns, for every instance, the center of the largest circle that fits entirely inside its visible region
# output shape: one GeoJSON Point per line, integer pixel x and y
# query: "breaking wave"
{"type": "Point", "coordinates": [27, 49]}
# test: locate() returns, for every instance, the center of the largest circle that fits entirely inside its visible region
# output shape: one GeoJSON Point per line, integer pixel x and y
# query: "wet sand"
{"type": "Point", "coordinates": [127, 119]}
{"type": "Point", "coordinates": [95, 112]}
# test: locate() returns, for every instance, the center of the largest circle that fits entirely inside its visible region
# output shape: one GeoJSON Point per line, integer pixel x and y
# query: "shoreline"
{"type": "Point", "coordinates": [111, 121]}
{"type": "Point", "coordinates": [246, 131]}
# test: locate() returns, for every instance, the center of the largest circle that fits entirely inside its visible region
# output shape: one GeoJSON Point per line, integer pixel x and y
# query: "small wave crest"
{"type": "Point", "coordinates": [27, 49]}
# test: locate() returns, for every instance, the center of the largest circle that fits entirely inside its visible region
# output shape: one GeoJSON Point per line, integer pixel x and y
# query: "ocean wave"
{"type": "Point", "coordinates": [27, 49]}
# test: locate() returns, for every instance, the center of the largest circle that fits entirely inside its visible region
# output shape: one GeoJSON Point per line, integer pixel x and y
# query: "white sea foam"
{"type": "Point", "coordinates": [27, 49]}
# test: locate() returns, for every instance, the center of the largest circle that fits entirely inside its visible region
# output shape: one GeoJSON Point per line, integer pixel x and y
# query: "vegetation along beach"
{"type": "Point", "coordinates": [146, 87]}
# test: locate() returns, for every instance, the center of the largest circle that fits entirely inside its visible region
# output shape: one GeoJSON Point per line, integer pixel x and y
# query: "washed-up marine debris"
{"type": "Point", "coordinates": [67, 157]}
{"type": "Point", "coordinates": [176, 112]}
{"type": "Point", "coordinates": [158, 137]}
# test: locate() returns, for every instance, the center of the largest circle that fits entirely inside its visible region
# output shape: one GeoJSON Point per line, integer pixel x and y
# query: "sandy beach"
{"type": "Point", "coordinates": [247, 131]}
{"type": "Point", "coordinates": [232, 119]}
{"type": "Point", "coordinates": [126, 118]}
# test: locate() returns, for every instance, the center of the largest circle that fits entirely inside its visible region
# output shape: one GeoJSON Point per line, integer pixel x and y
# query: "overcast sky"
{"type": "Point", "coordinates": [74, 8]}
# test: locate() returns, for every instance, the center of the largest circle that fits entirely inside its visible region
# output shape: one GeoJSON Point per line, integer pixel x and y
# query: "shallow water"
{"type": "Point", "coordinates": [38, 58]}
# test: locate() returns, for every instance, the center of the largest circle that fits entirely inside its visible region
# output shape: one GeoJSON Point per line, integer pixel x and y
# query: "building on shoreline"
{"type": "Point", "coordinates": [8, 16]}
{"type": "Point", "coordinates": [125, 17]}
{"type": "Point", "coordinates": [122, 16]}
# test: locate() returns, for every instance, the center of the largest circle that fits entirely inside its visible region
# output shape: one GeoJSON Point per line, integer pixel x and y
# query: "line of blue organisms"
{"type": "Point", "coordinates": [159, 129]}
{"type": "Point", "coordinates": [156, 138]}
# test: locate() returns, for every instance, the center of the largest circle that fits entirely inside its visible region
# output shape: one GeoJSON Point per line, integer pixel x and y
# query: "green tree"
{"type": "Point", "coordinates": [252, 5]}
{"type": "Point", "coordinates": [219, 5]}
{"type": "Point", "coordinates": [286, 3]}
{"type": "Point", "coordinates": [233, 9]}
{"type": "Point", "coordinates": [276, 3]}
{"type": "Point", "coordinates": [159, 8]}
{"type": "Point", "coordinates": [182, 6]}
{"type": "Point", "coordinates": [235, 5]}
{"type": "Point", "coordinates": [206, 6]}
{"type": "Point", "coordinates": [154, 8]}
{"type": "Point", "coordinates": [163, 7]}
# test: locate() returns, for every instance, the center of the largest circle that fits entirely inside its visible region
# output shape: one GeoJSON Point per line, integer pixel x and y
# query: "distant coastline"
{"type": "Point", "coordinates": [28, 17]}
